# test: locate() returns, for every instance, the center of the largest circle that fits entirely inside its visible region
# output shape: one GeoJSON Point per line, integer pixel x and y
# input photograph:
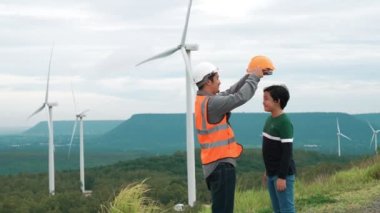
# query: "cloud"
{"type": "Point", "coordinates": [326, 51]}
{"type": "Point", "coordinates": [324, 95]}
{"type": "Point", "coordinates": [230, 11]}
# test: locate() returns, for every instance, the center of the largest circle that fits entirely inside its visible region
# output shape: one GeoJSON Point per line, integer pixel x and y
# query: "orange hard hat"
{"type": "Point", "coordinates": [260, 61]}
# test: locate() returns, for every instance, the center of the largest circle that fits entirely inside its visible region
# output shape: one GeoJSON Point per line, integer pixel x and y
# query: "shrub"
{"type": "Point", "coordinates": [131, 199]}
{"type": "Point", "coordinates": [374, 172]}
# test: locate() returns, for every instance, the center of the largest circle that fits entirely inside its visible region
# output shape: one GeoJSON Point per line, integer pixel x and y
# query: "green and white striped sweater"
{"type": "Point", "coordinates": [278, 146]}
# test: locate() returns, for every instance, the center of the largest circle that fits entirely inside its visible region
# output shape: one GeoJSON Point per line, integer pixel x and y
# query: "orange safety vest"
{"type": "Point", "coordinates": [217, 140]}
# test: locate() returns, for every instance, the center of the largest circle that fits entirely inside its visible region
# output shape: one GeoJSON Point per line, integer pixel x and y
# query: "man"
{"type": "Point", "coordinates": [219, 149]}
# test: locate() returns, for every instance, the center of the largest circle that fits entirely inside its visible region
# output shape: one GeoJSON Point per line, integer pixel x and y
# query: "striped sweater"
{"type": "Point", "coordinates": [278, 146]}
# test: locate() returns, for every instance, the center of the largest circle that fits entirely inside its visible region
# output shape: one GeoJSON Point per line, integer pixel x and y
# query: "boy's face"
{"type": "Point", "coordinates": [269, 103]}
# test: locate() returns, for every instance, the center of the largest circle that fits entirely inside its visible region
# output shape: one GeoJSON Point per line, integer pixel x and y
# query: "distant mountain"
{"type": "Point", "coordinates": [373, 118]}
{"type": "Point", "coordinates": [153, 132]}
{"type": "Point", "coordinates": [156, 134]}
{"type": "Point", "coordinates": [310, 129]}
{"type": "Point", "coordinates": [12, 130]}
{"type": "Point", "coordinates": [91, 127]}
{"type": "Point", "coordinates": [166, 132]}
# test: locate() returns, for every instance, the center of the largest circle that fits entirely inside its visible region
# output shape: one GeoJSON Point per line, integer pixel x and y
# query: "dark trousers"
{"type": "Point", "coordinates": [221, 184]}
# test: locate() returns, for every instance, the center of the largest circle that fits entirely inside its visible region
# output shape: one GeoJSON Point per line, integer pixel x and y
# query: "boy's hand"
{"type": "Point", "coordinates": [257, 71]}
{"type": "Point", "coordinates": [281, 184]}
{"type": "Point", "coordinates": [264, 180]}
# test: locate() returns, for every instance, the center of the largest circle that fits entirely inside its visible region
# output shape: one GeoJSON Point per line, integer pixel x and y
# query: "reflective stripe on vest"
{"type": "Point", "coordinates": [214, 129]}
{"type": "Point", "coordinates": [204, 130]}
{"type": "Point", "coordinates": [206, 145]}
{"type": "Point", "coordinates": [217, 141]}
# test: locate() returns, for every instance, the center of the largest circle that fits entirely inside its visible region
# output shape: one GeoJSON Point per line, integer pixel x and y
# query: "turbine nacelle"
{"type": "Point", "coordinates": [345, 136]}
{"type": "Point", "coordinates": [82, 114]}
{"type": "Point", "coordinates": [191, 47]}
{"type": "Point", "coordinates": [52, 104]}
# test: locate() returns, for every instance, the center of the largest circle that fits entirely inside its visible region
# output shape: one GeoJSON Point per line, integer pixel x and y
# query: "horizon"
{"type": "Point", "coordinates": [4, 130]}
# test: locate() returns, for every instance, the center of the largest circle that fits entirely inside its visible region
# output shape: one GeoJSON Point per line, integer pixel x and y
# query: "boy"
{"type": "Point", "coordinates": [278, 150]}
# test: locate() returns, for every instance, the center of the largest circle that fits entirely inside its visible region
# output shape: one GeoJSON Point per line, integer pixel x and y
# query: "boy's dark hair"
{"type": "Point", "coordinates": [279, 94]}
{"type": "Point", "coordinates": [210, 77]}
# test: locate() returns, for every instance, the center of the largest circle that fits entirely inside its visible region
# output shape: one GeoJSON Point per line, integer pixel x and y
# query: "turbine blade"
{"type": "Point", "coordinates": [161, 55]}
{"type": "Point", "coordinates": [341, 134]}
{"type": "Point", "coordinates": [186, 24]}
{"type": "Point", "coordinates": [74, 101]}
{"type": "Point", "coordinates": [373, 137]}
{"type": "Point", "coordinates": [337, 125]}
{"type": "Point", "coordinates": [373, 130]}
{"type": "Point", "coordinates": [72, 137]}
{"type": "Point", "coordinates": [37, 111]}
{"type": "Point", "coordinates": [48, 77]}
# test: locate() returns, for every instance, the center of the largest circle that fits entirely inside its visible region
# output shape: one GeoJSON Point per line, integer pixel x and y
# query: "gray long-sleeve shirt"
{"type": "Point", "coordinates": [222, 103]}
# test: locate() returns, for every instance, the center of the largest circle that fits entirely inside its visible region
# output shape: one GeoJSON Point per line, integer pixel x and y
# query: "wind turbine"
{"type": "Point", "coordinates": [79, 116]}
{"type": "Point", "coordinates": [186, 52]}
{"type": "Point", "coordinates": [50, 106]}
{"type": "Point", "coordinates": [374, 136]}
{"type": "Point", "coordinates": [339, 134]}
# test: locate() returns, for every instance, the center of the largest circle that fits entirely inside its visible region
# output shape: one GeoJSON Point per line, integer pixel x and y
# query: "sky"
{"type": "Point", "coordinates": [326, 52]}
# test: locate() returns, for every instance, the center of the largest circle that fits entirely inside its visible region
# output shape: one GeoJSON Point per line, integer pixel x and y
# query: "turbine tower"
{"type": "Point", "coordinates": [79, 116]}
{"type": "Point", "coordinates": [339, 134]}
{"type": "Point", "coordinates": [186, 52]}
{"type": "Point", "coordinates": [374, 136]}
{"type": "Point", "coordinates": [50, 106]}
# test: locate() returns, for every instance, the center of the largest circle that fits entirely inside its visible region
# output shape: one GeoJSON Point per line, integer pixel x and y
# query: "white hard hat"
{"type": "Point", "coordinates": [203, 69]}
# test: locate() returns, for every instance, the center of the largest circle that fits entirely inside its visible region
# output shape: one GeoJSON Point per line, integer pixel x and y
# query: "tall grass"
{"type": "Point", "coordinates": [344, 191]}
{"type": "Point", "coordinates": [131, 199]}
{"type": "Point", "coordinates": [255, 201]}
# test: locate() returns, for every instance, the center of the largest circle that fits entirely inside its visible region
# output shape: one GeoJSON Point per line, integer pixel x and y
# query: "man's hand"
{"type": "Point", "coordinates": [257, 71]}
{"type": "Point", "coordinates": [281, 184]}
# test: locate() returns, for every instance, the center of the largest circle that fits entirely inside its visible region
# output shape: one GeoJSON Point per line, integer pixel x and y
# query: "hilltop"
{"type": "Point", "coordinates": [166, 132]}
{"type": "Point", "coordinates": [92, 127]}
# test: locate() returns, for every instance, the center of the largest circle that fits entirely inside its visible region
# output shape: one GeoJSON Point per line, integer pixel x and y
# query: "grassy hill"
{"type": "Point", "coordinates": [350, 190]}
{"type": "Point", "coordinates": [345, 191]}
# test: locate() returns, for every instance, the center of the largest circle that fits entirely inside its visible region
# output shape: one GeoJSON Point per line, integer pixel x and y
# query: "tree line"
{"type": "Point", "coordinates": [166, 177]}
